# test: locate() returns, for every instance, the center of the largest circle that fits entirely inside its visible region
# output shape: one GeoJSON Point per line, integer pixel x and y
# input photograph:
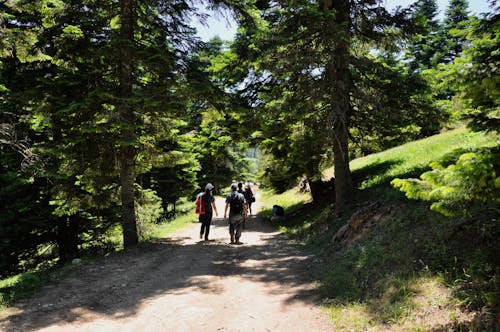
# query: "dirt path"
{"type": "Point", "coordinates": [184, 284]}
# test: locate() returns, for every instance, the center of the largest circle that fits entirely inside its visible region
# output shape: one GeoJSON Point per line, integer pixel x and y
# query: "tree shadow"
{"type": "Point", "coordinates": [117, 286]}
{"type": "Point", "coordinates": [374, 169]}
{"type": "Point", "coordinates": [383, 271]}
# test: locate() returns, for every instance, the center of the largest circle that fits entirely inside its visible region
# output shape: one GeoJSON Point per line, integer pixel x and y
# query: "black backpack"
{"type": "Point", "coordinates": [235, 204]}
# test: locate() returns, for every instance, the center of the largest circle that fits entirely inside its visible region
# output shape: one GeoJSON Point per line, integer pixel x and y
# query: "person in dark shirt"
{"type": "Point", "coordinates": [235, 203]}
{"type": "Point", "coordinates": [206, 218]}
{"type": "Point", "coordinates": [249, 197]}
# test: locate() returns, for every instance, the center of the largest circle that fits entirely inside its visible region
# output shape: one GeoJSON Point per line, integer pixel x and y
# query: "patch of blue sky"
{"type": "Point", "coordinates": [224, 26]}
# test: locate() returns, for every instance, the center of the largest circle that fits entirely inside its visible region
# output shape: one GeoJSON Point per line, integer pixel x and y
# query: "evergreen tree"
{"type": "Point", "coordinates": [423, 45]}
{"type": "Point", "coordinates": [315, 74]}
{"type": "Point", "coordinates": [455, 27]}
{"type": "Point", "coordinates": [66, 71]}
{"type": "Point", "coordinates": [467, 185]}
{"type": "Point", "coordinates": [476, 74]}
{"type": "Point", "coordinates": [127, 150]}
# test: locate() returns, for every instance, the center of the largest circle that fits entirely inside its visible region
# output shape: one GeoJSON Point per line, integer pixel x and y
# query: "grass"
{"type": "Point", "coordinates": [411, 158]}
{"type": "Point", "coordinates": [293, 203]}
{"type": "Point", "coordinates": [291, 200]}
{"type": "Point", "coordinates": [400, 308]}
{"type": "Point", "coordinates": [185, 215]}
{"type": "Point", "coordinates": [406, 275]}
{"type": "Point", "coordinates": [24, 285]}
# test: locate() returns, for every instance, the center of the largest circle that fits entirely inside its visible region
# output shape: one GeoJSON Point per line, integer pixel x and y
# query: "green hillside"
{"type": "Point", "coordinates": [411, 269]}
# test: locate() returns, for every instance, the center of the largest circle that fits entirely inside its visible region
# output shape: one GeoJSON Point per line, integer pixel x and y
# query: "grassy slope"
{"type": "Point", "coordinates": [406, 275]}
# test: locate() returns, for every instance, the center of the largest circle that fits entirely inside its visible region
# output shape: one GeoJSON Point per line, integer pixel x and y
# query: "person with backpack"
{"type": "Point", "coordinates": [241, 191]}
{"type": "Point", "coordinates": [236, 204]}
{"type": "Point", "coordinates": [205, 205]}
{"type": "Point", "coordinates": [249, 197]}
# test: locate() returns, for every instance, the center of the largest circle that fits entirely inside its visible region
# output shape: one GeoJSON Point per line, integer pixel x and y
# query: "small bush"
{"type": "Point", "coordinates": [472, 182]}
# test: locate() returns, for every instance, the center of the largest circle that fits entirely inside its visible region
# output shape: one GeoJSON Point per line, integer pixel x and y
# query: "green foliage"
{"type": "Point", "coordinates": [469, 83]}
{"type": "Point", "coordinates": [289, 75]}
{"type": "Point", "coordinates": [416, 260]}
{"type": "Point", "coordinates": [423, 46]}
{"type": "Point", "coordinates": [23, 285]}
{"type": "Point", "coordinates": [59, 78]}
{"type": "Point", "coordinates": [275, 174]}
{"type": "Point", "coordinates": [219, 152]}
{"type": "Point", "coordinates": [454, 27]}
{"type": "Point", "coordinates": [454, 190]}
{"type": "Point", "coordinates": [149, 210]}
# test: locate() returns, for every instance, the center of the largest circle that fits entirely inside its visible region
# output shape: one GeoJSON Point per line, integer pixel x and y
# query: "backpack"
{"type": "Point", "coordinates": [249, 196]}
{"type": "Point", "coordinates": [200, 205]}
{"type": "Point", "coordinates": [235, 204]}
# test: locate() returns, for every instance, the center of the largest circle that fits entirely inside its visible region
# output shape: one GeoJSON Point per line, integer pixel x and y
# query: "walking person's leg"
{"type": "Point", "coordinates": [231, 231]}
{"type": "Point", "coordinates": [237, 228]}
{"type": "Point", "coordinates": [208, 221]}
{"type": "Point", "coordinates": [202, 229]}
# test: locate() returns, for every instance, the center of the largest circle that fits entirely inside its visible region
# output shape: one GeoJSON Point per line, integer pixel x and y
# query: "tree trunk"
{"type": "Point", "coordinates": [127, 151]}
{"type": "Point", "coordinates": [341, 84]}
{"type": "Point", "coordinates": [316, 190]}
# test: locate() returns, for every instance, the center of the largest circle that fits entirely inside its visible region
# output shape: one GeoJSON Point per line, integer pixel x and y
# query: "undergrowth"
{"type": "Point", "coordinates": [417, 271]}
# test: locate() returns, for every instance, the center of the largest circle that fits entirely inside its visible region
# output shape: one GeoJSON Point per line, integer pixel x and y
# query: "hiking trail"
{"type": "Point", "coordinates": [182, 283]}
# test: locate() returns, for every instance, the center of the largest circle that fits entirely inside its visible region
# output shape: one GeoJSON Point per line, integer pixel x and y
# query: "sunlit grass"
{"type": "Point", "coordinates": [415, 304]}
{"type": "Point", "coordinates": [290, 200]}
{"type": "Point", "coordinates": [184, 216]}
{"type": "Point", "coordinates": [407, 158]}
{"type": "Point", "coordinates": [23, 285]}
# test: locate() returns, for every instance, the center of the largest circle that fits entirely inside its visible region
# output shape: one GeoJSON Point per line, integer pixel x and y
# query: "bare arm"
{"type": "Point", "coordinates": [225, 210]}
{"type": "Point", "coordinates": [215, 208]}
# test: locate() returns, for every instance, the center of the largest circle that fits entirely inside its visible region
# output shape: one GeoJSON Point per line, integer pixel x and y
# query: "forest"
{"type": "Point", "coordinates": [114, 113]}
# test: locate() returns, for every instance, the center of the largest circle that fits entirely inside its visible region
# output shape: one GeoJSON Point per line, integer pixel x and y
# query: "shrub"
{"type": "Point", "coordinates": [460, 188]}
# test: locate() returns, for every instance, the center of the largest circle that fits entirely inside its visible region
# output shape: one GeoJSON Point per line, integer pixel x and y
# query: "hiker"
{"type": "Point", "coordinates": [207, 202]}
{"type": "Point", "coordinates": [241, 191]}
{"type": "Point", "coordinates": [278, 213]}
{"type": "Point", "coordinates": [249, 198]}
{"type": "Point", "coordinates": [235, 202]}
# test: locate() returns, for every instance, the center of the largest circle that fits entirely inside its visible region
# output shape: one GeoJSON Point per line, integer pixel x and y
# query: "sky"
{"type": "Point", "coordinates": [217, 25]}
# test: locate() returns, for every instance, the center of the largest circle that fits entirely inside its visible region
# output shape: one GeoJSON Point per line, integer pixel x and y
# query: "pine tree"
{"type": "Point", "coordinates": [314, 73]}
{"type": "Point", "coordinates": [127, 150]}
{"type": "Point", "coordinates": [455, 26]}
{"type": "Point", "coordinates": [423, 46]}
{"type": "Point", "coordinates": [60, 76]}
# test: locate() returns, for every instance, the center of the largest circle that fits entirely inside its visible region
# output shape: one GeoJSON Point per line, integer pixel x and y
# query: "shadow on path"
{"type": "Point", "coordinates": [117, 286]}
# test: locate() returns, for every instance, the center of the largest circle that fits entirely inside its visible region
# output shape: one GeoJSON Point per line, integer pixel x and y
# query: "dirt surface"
{"type": "Point", "coordinates": [184, 284]}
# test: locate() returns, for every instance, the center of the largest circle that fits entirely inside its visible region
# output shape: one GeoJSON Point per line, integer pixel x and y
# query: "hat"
{"type": "Point", "coordinates": [209, 186]}
{"type": "Point", "coordinates": [234, 186]}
